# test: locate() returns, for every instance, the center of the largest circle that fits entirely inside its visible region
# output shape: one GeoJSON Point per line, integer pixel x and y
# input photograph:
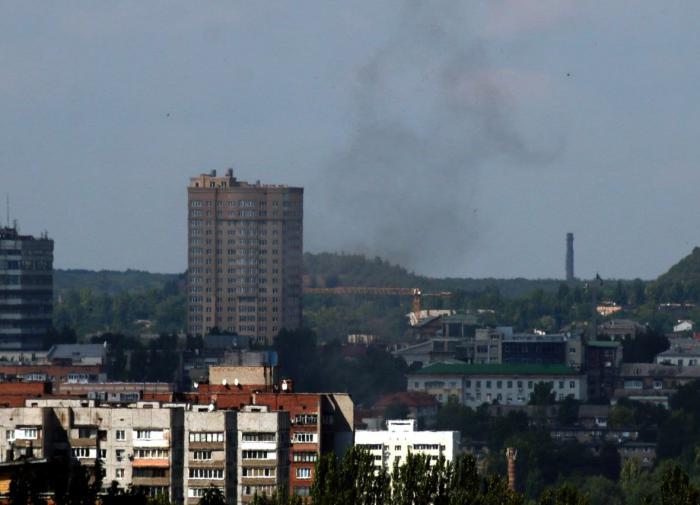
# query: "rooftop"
{"type": "Point", "coordinates": [504, 369]}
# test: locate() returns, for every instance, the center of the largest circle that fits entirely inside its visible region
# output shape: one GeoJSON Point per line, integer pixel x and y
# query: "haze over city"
{"type": "Point", "coordinates": [455, 138]}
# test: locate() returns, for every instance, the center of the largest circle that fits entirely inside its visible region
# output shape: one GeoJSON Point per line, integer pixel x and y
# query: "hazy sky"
{"type": "Point", "coordinates": [458, 138]}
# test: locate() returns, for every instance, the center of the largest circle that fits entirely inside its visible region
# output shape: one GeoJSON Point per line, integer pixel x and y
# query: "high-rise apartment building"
{"type": "Point", "coordinates": [245, 246]}
{"type": "Point", "coordinates": [26, 288]}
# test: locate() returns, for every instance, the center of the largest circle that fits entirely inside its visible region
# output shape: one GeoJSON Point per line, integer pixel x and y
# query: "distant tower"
{"type": "Point", "coordinates": [569, 257]}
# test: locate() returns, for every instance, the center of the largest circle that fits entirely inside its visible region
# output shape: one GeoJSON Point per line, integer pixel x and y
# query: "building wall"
{"type": "Point", "coordinates": [474, 390]}
{"type": "Point", "coordinates": [26, 289]}
{"type": "Point", "coordinates": [210, 453]}
{"type": "Point", "coordinates": [244, 257]}
{"type": "Point", "coordinates": [400, 439]}
{"type": "Point", "coordinates": [263, 452]}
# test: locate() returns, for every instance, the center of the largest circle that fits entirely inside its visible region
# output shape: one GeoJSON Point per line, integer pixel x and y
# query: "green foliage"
{"type": "Point", "coordinates": [113, 301]}
{"type": "Point", "coordinates": [564, 495]}
{"type": "Point", "coordinates": [213, 496]}
{"type": "Point", "coordinates": [542, 394]}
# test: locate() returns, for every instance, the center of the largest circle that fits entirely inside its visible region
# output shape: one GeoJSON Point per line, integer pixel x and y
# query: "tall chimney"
{"type": "Point", "coordinates": [569, 257]}
{"type": "Point", "coordinates": [511, 456]}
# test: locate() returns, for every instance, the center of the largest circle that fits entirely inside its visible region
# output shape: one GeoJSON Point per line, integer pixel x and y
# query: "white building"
{"type": "Point", "coordinates": [401, 438]}
{"type": "Point", "coordinates": [683, 326]}
{"type": "Point", "coordinates": [507, 384]}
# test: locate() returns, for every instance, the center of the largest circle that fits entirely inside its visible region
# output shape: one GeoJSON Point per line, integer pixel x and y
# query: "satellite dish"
{"type": "Point", "coordinates": [224, 382]}
{"type": "Point", "coordinates": [236, 382]}
{"type": "Point", "coordinates": [211, 407]}
{"type": "Point", "coordinates": [195, 385]}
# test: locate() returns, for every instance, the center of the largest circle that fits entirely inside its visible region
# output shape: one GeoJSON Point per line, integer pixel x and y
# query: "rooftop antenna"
{"type": "Point", "coordinates": [7, 201]}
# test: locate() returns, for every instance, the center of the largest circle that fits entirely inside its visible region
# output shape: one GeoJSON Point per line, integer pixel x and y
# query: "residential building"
{"type": "Point", "coordinates": [245, 256]}
{"type": "Point", "coordinates": [508, 384]}
{"type": "Point", "coordinates": [210, 445]}
{"type": "Point", "coordinates": [651, 382]}
{"type": "Point", "coordinates": [401, 439]}
{"type": "Point", "coordinates": [620, 329]}
{"type": "Point", "coordinates": [26, 289]}
{"type": "Point", "coordinates": [682, 351]}
{"type": "Point", "coordinates": [263, 452]}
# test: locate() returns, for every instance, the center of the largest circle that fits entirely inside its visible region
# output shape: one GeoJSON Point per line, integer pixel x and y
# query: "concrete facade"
{"type": "Point", "coordinates": [263, 452]}
{"type": "Point", "coordinates": [210, 453]}
{"type": "Point", "coordinates": [393, 445]}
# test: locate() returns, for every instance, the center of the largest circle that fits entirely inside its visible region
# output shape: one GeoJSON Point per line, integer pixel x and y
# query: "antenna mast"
{"type": "Point", "coordinates": [7, 198]}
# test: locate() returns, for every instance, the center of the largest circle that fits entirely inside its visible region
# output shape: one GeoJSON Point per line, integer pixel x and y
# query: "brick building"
{"type": "Point", "coordinates": [244, 257]}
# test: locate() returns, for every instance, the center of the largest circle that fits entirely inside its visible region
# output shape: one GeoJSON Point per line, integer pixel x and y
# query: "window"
{"type": "Point", "coordinates": [119, 454]}
{"type": "Point", "coordinates": [119, 473]}
{"type": "Point", "coordinates": [306, 419]}
{"type": "Point", "coordinates": [143, 434]}
{"type": "Point", "coordinates": [426, 447]}
{"type": "Point", "coordinates": [86, 433]}
{"type": "Point", "coordinates": [561, 384]}
{"type": "Point", "coordinates": [488, 384]}
{"type": "Point", "coordinates": [198, 492]}
{"type": "Point", "coordinates": [81, 452]}
{"type": "Point", "coordinates": [303, 473]}
{"type": "Point", "coordinates": [103, 453]}
{"type": "Point", "coordinates": [572, 384]}
{"type": "Point", "coordinates": [397, 447]}
{"type": "Point", "coordinates": [304, 438]}
{"type": "Point", "coordinates": [201, 455]}
{"type": "Point", "coordinates": [27, 433]}
{"type": "Point", "coordinates": [206, 437]}
{"type": "Point", "coordinates": [251, 454]}
{"type": "Point", "coordinates": [207, 473]}
{"type": "Point", "coordinates": [9, 434]}
{"type": "Point", "coordinates": [304, 457]}
{"type": "Point", "coordinates": [262, 473]}
{"type": "Point", "coordinates": [151, 453]}
{"type": "Point", "coordinates": [121, 435]}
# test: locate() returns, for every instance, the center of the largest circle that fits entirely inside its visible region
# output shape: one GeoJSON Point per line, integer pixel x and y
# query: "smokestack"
{"type": "Point", "coordinates": [511, 456]}
{"type": "Point", "coordinates": [569, 257]}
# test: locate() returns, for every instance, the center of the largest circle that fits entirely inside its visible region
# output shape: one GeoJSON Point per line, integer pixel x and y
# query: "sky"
{"type": "Point", "coordinates": [455, 138]}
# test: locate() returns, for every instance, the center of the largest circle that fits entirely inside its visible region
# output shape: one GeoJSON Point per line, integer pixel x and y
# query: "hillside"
{"type": "Point", "coordinates": [681, 283]}
{"type": "Point", "coordinates": [331, 270]}
{"type": "Point", "coordinates": [110, 281]}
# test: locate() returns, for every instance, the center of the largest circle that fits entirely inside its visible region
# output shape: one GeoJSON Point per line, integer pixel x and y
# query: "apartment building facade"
{"type": "Point", "coordinates": [210, 453]}
{"type": "Point", "coordinates": [263, 452]}
{"type": "Point", "coordinates": [245, 244]}
{"type": "Point", "coordinates": [507, 384]}
{"type": "Point", "coordinates": [393, 445]}
{"type": "Point", "coordinates": [26, 289]}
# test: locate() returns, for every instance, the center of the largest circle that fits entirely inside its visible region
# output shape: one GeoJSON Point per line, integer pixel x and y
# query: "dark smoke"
{"type": "Point", "coordinates": [427, 116]}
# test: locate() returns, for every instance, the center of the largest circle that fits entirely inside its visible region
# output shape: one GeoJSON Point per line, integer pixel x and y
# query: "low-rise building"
{"type": "Point", "coordinates": [392, 446]}
{"type": "Point", "coordinates": [651, 382]}
{"type": "Point", "coordinates": [473, 385]}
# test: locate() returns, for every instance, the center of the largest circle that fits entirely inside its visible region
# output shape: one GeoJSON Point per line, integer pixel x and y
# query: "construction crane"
{"type": "Point", "coordinates": [366, 290]}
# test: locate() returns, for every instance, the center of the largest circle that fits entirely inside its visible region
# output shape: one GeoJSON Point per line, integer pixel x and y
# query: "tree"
{"type": "Point", "coordinates": [542, 394]}
{"type": "Point", "coordinates": [212, 496]}
{"type": "Point", "coordinates": [568, 411]}
{"type": "Point", "coordinates": [563, 495]}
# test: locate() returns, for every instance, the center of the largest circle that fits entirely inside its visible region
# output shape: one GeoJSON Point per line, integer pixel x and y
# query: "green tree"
{"type": "Point", "coordinates": [542, 394]}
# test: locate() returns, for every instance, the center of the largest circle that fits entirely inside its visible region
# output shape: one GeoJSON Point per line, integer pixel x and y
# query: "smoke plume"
{"type": "Point", "coordinates": [428, 114]}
